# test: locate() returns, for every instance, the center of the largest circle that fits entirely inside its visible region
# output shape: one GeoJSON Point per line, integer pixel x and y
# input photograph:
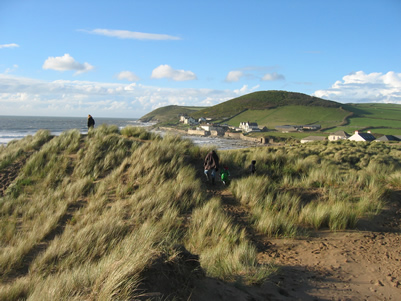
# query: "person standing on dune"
{"type": "Point", "coordinates": [91, 122]}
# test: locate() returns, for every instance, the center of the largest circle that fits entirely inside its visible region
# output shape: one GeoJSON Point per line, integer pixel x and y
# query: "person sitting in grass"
{"type": "Point", "coordinates": [224, 174]}
{"type": "Point", "coordinates": [252, 167]}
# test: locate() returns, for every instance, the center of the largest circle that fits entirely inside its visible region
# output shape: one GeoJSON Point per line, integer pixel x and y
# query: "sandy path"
{"type": "Point", "coordinates": [338, 266]}
{"type": "Point", "coordinates": [360, 264]}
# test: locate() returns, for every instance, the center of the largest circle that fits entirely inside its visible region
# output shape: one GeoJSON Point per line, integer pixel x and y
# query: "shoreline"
{"type": "Point", "coordinates": [220, 142]}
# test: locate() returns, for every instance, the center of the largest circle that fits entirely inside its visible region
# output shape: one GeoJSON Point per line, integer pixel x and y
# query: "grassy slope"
{"type": "Point", "coordinates": [272, 108]}
{"type": "Point", "coordinates": [379, 118]}
{"type": "Point", "coordinates": [262, 100]}
{"type": "Point", "coordinates": [302, 115]}
{"type": "Point", "coordinates": [109, 216]}
{"type": "Point", "coordinates": [169, 113]}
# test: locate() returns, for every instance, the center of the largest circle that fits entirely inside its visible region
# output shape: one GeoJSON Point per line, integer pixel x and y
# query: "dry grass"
{"type": "Point", "coordinates": [88, 216]}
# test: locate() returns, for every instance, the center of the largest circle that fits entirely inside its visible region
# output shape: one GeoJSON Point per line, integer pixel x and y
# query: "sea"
{"type": "Point", "coordinates": [18, 127]}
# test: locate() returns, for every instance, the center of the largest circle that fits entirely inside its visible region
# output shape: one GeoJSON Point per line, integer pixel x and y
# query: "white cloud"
{"type": "Point", "coordinates": [13, 45]}
{"type": "Point", "coordinates": [126, 34]}
{"type": "Point", "coordinates": [362, 87]}
{"type": "Point", "coordinates": [10, 70]}
{"type": "Point", "coordinates": [252, 73]}
{"type": "Point", "coordinates": [128, 75]}
{"type": "Point", "coordinates": [165, 71]}
{"type": "Point", "coordinates": [26, 96]}
{"type": "Point", "coordinates": [65, 63]}
{"type": "Point", "coordinates": [234, 76]}
{"type": "Point", "coordinates": [245, 90]}
{"type": "Point", "coordinates": [273, 76]}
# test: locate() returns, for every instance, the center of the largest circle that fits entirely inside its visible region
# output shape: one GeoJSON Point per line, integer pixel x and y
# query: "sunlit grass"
{"type": "Point", "coordinates": [88, 216]}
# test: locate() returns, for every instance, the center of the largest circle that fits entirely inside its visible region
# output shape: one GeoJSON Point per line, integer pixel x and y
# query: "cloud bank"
{"type": "Point", "coordinates": [76, 98]}
{"type": "Point", "coordinates": [126, 34]}
{"type": "Point", "coordinates": [27, 96]}
{"type": "Point", "coordinates": [362, 87]}
{"type": "Point", "coordinates": [66, 63]}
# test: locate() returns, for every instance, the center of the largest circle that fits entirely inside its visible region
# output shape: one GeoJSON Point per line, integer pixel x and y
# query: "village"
{"type": "Point", "coordinates": [205, 127]}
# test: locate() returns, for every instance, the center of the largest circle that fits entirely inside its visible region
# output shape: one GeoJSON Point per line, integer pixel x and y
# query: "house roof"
{"type": "Point", "coordinates": [367, 136]}
{"type": "Point", "coordinates": [388, 138]}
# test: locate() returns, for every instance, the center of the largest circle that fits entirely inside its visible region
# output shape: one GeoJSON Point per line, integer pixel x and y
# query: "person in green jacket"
{"type": "Point", "coordinates": [225, 174]}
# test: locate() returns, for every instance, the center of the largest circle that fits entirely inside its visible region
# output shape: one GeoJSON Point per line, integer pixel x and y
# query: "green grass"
{"type": "Point", "coordinates": [169, 113]}
{"type": "Point", "coordinates": [375, 110]}
{"type": "Point", "coordinates": [273, 108]}
{"type": "Point", "coordinates": [302, 115]}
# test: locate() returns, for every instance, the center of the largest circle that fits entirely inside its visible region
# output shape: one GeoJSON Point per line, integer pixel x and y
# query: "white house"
{"type": "Point", "coordinates": [339, 135]}
{"type": "Point", "coordinates": [249, 126]}
{"type": "Point", "coordinates": [207, 127]}
{"type": "Point", "coordinates": [362, 136]}
{"type": "Point", "coordinates": [187, 120]}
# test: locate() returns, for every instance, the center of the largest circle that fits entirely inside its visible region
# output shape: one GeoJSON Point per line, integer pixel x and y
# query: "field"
{"type": "Point", "coordinates": [380, 119]}
{"type": "Point", "coordinates": [128, 215]}
{"type": "Point", "coordinates": [302, 115]}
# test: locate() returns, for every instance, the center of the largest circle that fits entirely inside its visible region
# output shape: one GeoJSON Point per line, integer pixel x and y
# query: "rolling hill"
{"type": "Point", "coordinates": [268, 108]}
{"type": "Point", "coordinates": [169, 113]}
{"type": "Point", "coordinates": [263, 100]}
{"type": "Point", "coordinates": [273, 108]}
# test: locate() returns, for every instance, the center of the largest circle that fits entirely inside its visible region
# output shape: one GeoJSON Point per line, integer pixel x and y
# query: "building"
{"type": "Point", "coordinates": [207, 127]}
{"type": "Point", "coordinates": [362, 136]}
{"type": "Point", "coordinates": [339, 135]}
{"type": "Point", "coordinates": [187, 120]}
{"type": "Point", "coordinates": [311, 127]}
{"type": "Point", "coordinates": [249, 127]}
{"type": "Point", "coordinates": [387, 138]}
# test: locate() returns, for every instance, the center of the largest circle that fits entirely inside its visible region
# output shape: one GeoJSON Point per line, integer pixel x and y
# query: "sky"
{"type": "Point", "coordinates": [126, 58]}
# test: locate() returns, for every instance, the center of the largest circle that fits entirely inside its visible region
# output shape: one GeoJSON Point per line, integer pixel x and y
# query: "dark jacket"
{"type": "Point", "coordinates": [91, 122]}
{"type": "Point", "coordinates": [211, 161]}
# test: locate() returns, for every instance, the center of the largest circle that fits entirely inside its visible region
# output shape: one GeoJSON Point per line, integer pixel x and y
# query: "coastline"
{"type": "Point", "coordinates": [219, 142]}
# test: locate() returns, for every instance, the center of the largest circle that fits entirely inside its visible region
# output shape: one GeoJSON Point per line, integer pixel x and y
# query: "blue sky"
{"type": "Point", "coordinates": [127, 58]}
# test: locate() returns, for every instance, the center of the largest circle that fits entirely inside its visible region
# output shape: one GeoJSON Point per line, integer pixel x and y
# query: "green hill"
{"type": "Point", "coordinates": [263, 100]}
{"type": "Point", "coordinates": [169, 113]}
{"type": "Point", "coordinates": [273, 108]}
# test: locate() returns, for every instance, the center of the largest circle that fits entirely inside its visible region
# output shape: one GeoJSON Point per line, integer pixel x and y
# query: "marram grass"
{"type": "Point", "coordinates": [87, 216]}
